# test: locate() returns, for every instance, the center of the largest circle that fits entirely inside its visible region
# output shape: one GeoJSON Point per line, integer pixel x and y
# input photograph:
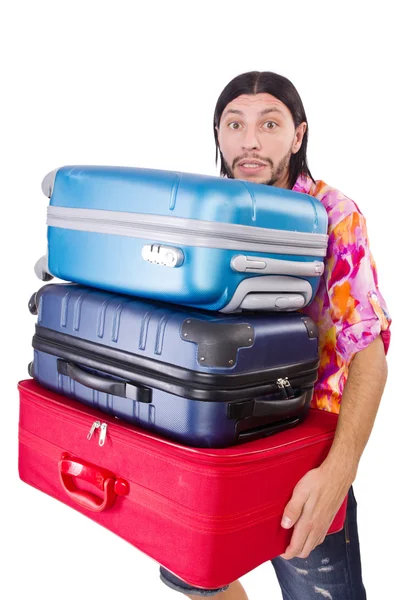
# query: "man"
{"type": "Point", "coordinates": [261, 133]}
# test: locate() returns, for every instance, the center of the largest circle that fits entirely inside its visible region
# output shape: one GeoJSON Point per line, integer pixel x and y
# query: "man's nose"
{"type": "Point", "coordinates": [251, 140]}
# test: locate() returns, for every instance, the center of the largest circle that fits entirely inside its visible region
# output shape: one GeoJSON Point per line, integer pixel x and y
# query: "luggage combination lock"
{"type": "Point", "coordinates": [166, 256]}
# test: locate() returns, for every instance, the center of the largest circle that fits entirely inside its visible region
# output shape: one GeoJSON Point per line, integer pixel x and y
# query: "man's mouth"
{"type": "Point", "coordinates": [251, 166]}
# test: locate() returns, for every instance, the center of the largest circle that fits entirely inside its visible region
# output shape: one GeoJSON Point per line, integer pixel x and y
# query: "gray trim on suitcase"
{"type": "Point", "coordinates": [47, 184]}
{"type": "Point", "coordinates": [41, 269]}
{"type": "Point", "coordinates": [270, 292]}
{"type": "Point", "coordinates": [188, 232]}
{"type": "Point", "coordinates": [260, 301]}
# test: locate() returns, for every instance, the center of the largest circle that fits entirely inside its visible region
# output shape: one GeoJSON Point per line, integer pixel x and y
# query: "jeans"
{"type": "Point", "coordinates": [331, 571]}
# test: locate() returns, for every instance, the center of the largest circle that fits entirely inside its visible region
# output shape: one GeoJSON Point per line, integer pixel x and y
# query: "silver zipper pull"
{"type": "Point", "coordinates": [102, 433]}
{"type": "Point", "coordinates": [94, 426]}
{"type": "Point", "coordinates": [285, 387]}
{"type": "Point", "coordinates": [288, 388]}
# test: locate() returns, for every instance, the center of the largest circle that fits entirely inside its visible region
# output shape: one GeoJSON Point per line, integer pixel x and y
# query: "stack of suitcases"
{"type": "Point", "coordinates": [173, 371]}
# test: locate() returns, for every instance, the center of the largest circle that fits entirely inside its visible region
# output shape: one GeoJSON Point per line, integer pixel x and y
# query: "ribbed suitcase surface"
{"type": "Point", "coordinates": [209, 516]}
{"type": "Point", "coordinates": [201, 241]}
{"type": "Point", "coordinates": [202, 378]}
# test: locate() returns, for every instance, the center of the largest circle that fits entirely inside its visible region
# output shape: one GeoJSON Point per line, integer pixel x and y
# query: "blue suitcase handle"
{"type": "Point", "coordinates": [103, 384]}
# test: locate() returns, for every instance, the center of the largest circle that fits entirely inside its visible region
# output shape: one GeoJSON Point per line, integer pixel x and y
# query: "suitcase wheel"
{"type": "Point", "coordinates": [33, 304]}
{"type": "Point", "coordinates": [46, 277]}
{"type": "Point", "coordinates": [30, 369]}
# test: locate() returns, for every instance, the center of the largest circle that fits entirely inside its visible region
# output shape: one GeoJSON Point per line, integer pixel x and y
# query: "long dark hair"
{"type": "Point", "coordinates": [256, 82]}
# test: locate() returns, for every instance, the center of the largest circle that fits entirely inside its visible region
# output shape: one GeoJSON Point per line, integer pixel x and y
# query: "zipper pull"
{"type": "Point", "coordinates": [285, 387]}
{"type": "Point", "coordinates": [102, 433]}
{"type": "Point", "coordinates": [280, 385]}
{"type": "Point", "coordinates": [94, 426]}
{"type": "Point", "coordinates": [288, 388]}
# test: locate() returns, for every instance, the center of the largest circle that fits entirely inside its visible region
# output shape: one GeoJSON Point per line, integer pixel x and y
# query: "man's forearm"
{"type": "Point", "coordinates": [360, 402]}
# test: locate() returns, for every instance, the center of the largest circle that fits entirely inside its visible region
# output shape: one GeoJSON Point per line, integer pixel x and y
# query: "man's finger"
{"type": "Point", "coordinates": [298, 541]}
{"type": "Point", "coordinates": [313, 540]}
{"type": "Point", "coordinates": [294, 508]}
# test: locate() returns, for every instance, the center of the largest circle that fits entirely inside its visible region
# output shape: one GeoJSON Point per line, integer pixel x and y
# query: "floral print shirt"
{"type": "Point", "coordinates": [348, 307]}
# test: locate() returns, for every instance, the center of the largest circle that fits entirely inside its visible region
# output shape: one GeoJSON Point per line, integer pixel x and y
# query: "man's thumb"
{"type": "Point", "coordinates": [293, 510]}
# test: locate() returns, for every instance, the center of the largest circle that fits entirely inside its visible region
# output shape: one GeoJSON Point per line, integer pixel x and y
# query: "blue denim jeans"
{"type": "Point", "coordinates": [331, 571]}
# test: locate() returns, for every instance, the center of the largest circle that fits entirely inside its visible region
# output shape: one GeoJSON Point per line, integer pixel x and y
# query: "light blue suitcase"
{"type": "Point", "coordinates": [207, 242]}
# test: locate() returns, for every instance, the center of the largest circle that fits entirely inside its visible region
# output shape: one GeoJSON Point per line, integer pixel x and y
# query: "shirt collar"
{"type": "Point", "coordinates": [304, 184]}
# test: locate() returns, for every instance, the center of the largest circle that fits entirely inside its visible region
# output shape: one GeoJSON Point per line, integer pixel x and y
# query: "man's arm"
{"type": "Point", "coordinates": [319, 494]}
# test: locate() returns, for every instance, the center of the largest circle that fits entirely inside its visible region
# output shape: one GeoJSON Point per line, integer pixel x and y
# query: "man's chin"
{"type": "Point", "coordinates": [254, 179]}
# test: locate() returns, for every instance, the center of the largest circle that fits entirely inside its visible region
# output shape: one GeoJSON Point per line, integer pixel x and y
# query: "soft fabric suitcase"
{"type": "Point", "coordinates": [206, 379]}
{"type": "Point", "coordinates": [208, 242]}
{"type": "Point", "coordinates": [208, 516]}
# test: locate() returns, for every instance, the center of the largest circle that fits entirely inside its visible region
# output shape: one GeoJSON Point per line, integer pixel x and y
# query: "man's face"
{"type": "Point", "coordinates": [257, 137]}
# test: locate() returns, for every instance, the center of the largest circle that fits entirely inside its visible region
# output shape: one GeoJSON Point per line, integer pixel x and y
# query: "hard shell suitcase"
{"type": "Point", "coordinates": [205, 379]}
{"type": "Point", "coordinates": [207, 242]}
{"type": "Point", "coordinates": [208, 516]}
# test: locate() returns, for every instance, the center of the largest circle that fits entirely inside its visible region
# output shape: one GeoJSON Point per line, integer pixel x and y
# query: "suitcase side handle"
{"type": "Point", "coordinates": [71, 468]}
{"type": "Point", "coordinates": [99, 383]}
{"type": "Point", "coordinates": [280, 408]}
{"type": "Point", "coordinates": [276, 266]}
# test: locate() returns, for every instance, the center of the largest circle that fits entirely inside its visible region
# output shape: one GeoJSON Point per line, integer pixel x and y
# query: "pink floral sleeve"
{"type": "Point", "coordinates": [348, 308]}
{"type": "Point", "coordinates": [357, 307]}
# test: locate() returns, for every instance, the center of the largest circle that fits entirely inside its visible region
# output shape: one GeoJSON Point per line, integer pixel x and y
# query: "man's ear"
{"type": "Point", "coordinates": [299, 135]}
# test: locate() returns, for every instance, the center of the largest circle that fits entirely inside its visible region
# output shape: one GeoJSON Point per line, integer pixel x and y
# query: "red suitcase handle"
{"type": "Point", "coordinates": [112, 486]}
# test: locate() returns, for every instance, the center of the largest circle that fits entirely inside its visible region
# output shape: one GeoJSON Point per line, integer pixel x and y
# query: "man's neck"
{"type": "Point", "coordinates": [283, 182]}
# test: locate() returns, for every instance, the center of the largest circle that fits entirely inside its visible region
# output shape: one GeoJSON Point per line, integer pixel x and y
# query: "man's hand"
{"type": "Point", "coordinates": [316, 499]}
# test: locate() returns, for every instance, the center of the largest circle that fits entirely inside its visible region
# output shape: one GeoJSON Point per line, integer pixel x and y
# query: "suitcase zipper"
{"type": "Point", "coordinates": [102, 434]}
{"type": "Point", "coordinates": [159, 380]}
{"type": "Point", "coordinates": [188, 232]}
{"type": "Point", "coordinates": [94, 426]}
{"type": "Point", "coordinates": [125, 432]}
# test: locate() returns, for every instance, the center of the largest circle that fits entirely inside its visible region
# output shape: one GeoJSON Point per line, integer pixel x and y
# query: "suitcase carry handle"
{"type": "Point", "coordinates": [103, 384]}
{"type": "Point", "coordinates": [276, 266]}
{"type": "Point", "coordinates": [280, 408]}
{"type": "Point", "coordinates": [270, 292]}
{"type": "Point", "coordinates": [112, 486]}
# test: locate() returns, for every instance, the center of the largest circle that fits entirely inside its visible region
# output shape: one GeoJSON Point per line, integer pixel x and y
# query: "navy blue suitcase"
{"type": "Point", "coordinates": [201, 378]}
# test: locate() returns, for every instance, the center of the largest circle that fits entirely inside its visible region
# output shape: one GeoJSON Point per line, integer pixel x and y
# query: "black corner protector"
{"type": "Point", "coordinates": [218, 343]}
{"type": "Point", "coordinates": [312, 328]}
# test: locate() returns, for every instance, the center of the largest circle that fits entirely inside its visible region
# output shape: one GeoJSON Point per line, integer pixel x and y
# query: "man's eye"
{"type": "Point", "coordinates": [234, 125]}
{"type": "Point", "coordinates": [272, 123]}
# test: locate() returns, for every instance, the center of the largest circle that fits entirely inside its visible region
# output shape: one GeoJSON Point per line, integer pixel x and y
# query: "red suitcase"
{"type": "Point", "coordinates": [209, 516]}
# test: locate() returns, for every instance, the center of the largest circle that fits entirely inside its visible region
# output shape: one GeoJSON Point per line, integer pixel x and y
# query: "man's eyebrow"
{"type": "Point", "coordinates": [271, 109]}
{"type": "Point", "coordinates": [263, 112]}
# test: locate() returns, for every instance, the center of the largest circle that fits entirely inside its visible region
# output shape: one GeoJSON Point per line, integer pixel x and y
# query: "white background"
{"type": "Point", "coordinates": [113, 83]}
